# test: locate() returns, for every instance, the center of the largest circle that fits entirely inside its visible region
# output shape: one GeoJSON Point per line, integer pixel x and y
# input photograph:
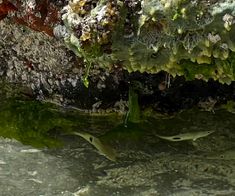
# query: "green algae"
{"type": "Point", "coordinates": [133, 114]}
{"type": "Point", "coordinates": [43, 124]}
{"type": "Point", "coordinates": [30, 122]}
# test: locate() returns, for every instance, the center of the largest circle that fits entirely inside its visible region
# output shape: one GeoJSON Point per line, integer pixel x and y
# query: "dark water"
{"type": "Point", "coordinates": [40, 157]}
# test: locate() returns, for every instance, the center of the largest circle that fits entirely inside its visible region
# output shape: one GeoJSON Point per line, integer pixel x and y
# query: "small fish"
{"type": "Point", "coordinates": [186, 136]}
{"type": "Point", "coordinates": [30, 150]}
{"type": "Point", "coordinates": [103, 149]}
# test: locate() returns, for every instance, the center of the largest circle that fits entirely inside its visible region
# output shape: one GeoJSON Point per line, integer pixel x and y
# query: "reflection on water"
{"type": "Point", "coordinates": [145, 164]}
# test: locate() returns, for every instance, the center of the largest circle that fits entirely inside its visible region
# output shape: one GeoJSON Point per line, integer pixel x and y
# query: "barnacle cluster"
{"type": "Point", "coordinates": [182, 37]}
{"type": "Point", "coordinates": [91, 23]}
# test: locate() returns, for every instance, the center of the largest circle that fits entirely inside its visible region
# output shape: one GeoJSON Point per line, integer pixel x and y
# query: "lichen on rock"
{"type": "Point", "coordinates": [181, 37]}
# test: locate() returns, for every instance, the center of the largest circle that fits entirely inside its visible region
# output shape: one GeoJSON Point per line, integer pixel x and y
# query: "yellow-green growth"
{"type": "Point", "coordinates": [133, 114]}
{"type": "Point", "coordinates": [181, 37]}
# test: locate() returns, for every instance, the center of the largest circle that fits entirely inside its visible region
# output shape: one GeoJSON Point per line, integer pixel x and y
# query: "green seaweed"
{"type": "Point", "coordinates": [43, 124]}
{"type": "Point", "coordinates": [30, 122]}
{"type": "Point", "coordinates": [133, 114]}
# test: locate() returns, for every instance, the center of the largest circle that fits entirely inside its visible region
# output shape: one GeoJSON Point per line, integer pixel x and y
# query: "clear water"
{"type": "Point", "coordinates": [39, 157]}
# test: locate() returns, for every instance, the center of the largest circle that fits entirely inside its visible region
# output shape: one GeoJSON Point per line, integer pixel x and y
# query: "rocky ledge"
{"type": "Point", "coordinates": [86, 53]}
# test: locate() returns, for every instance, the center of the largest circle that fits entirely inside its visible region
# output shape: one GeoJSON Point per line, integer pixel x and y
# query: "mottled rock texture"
{"type": "Point", "coordinates": [57, 48]}
{"type": "Point", "coordinates": [181, 37]}
{"type": "Point", "coordinates": [31, 57]}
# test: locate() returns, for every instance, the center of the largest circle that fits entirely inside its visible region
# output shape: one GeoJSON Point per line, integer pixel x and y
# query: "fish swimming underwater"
{"type": "Point", "coordinates": [186, 136]}
{"type": "Point", "coordinates": [104, 149]}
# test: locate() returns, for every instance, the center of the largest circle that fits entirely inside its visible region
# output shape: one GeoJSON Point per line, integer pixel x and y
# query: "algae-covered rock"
{"type": "Point", "coordinates": [182, 37]}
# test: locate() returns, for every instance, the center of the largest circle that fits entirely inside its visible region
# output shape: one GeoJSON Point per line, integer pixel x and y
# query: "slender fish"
{"type": "Point", "coordinates": [102, 148]}
{"type": "Point", "coordinates": [186, 136]}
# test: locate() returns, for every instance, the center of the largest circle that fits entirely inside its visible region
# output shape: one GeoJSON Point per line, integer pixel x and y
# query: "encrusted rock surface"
{"type": "Point", "coordinates": [112, 38]}
{"type": "Point", "coordinates": [181, 37]}
{"type": "Point", "coordinates": [48, 70]}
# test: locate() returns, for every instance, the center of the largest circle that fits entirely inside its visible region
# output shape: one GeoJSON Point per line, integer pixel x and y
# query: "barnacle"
{"type": "Point", "coordinates": [182, 37]}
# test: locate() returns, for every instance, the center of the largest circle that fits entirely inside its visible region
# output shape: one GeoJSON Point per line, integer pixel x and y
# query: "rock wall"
{"type": "Point", "coordinates": [182, 37]}
{"type": "Point", "coordinates": [85, 53]}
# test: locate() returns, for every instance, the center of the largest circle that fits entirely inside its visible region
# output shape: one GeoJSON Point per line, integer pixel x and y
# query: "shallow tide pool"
{"type": "Point", "coordinates": [41, 156]}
